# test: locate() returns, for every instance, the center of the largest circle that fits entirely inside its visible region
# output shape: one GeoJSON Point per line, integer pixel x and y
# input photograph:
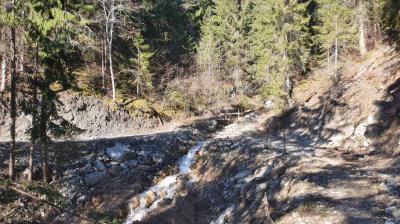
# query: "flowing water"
{"type": "Point", "coordinates": [164, 189]}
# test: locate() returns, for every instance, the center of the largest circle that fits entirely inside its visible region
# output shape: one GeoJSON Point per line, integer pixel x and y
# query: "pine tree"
{"type": "Point", "coordinates": [337, 28]}
{"type": "Point", "coordinates": [143, 80]}
{"type": "Point", "coordinates": [50, 26]}
{"type": "Point", "coordinates": [228, 31]}
{"type": "Point", "coordinates": [279, 45]}
{"type": "Point", "coordinates": [9, 18]}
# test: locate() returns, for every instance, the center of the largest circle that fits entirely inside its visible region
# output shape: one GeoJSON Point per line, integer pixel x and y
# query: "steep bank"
{"type": "Point", "coordinates": [90, 117]}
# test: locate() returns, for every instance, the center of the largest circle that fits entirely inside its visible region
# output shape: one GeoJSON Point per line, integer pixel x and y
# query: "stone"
{"type": "Point", "coordinates": [94, 178]}
{"type": "Point", "coordinates": [115, 170]}
{"type": "Point", "coordinates": [134, 202]}
{"type": "Point", "coordinates": [143, 167]}
{"type": "Point", "coordinates": [241, 175]}
{"type": "Point", "coordinates": [158, 157]}
{"type": "Point", "coordinates": [119, 153]}
{"type": "Point", "coordinates": [393, 210]}
{"type": "Point", "coordinates": [132, 163]}
{"type": "Point", "coordinates": [99, 166]}
{"type": "Point", "coordinates": [149, 198]}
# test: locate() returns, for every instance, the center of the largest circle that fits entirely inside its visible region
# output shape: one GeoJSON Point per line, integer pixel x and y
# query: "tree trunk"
{"type": "Point", "coordinates": [43, 138]}
{"type": "Point", "coordinates": [111, 70]}
{"type": "Point", "coordinates": [361, 28]}
{"type": "Point", "coordinates": [34, 118]}
{"type": "Point", "coordinates": [140, 74]}
{"type": "Point", "coordinates": [33, 138]}
{"type": "Point", "coordinates": [3, 73]}
{"type": "Point", "coordinates": [110, 41]}
{"type": "Point", "coordinates": [3, 65]}
{"type": "Point", "coordinates": [13, 106]}
{"type": "Point", "coordinates": [103, 63]}
{"type": "Point", "coordinates": [329, 56]}
{"type": "Point", "coordinates": [45, 165]}
{"type": "Point", "coordinates": [336, 52]}
{"type": "Point", "coordinates": [31, 153]}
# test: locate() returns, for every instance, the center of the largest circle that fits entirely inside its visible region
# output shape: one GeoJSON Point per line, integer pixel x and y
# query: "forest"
{"type": "Point", "coordinates": [171, 59]}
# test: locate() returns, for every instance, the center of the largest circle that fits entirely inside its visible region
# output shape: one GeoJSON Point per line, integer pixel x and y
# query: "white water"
{"type": "Point", "coordinates": [164, 189]}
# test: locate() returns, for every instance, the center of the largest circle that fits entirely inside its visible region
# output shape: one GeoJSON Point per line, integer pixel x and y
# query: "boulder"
{"type": "Point", "coordinates": [99, 165]}
{"type": "Point", "coordinates": [132, 163]}
{"type": "Point", "coordinates": [394, 211]}
{"type": "Point", "coordinates": [149, 198]}
{"type": "Point", "coordinates": [134, 202]}
{"type": "Point", "coordinates": [115, 170]}
{"type": "Point", "coordinates": [119, 153]}
{"type": "Point", "coordinates": [94, 178]}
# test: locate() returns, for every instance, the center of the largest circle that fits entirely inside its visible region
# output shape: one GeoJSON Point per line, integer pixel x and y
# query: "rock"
{"type": "Point", "coordinates": [374, 130]}
{"type": "Point", "coordinates": [143, 167]}
{"type": "Point", "coordinates": [158, 157]}
{"type": "Point", "coordinates": [115, 170]}
{"type": "Point", "coordinates": [119, 153]}
{"type": "Point", "coordinates": [132, 163]}
{"type": "Point", "coordinates": [94, 178]}
{"type": "Point", "coordinates": [241, 175]}
{"type": "Point", "coordinates": [99, 165]}
{"type": "Point", "coordinates": [149, 198]}
{"type": "Point", "coordinates": [134, 202]}
{"type": "Point", "coordinates": [87, 169]}
{"type": "Point", "coordinates": [137, 187]}
{"type": "Point", "coordinates": [394, 211]}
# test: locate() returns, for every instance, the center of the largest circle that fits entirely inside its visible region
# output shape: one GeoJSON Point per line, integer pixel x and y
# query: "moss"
{"type": "Point", "coordinates": [141, 105]}
{"type": "Point", "coordinates": [176, 100]}
{"type": "Point", "coordinates": [244, 102]}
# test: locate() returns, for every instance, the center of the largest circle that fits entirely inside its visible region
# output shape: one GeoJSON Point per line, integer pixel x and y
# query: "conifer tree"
{"type": "Point", "coordinates": [228, 30]}
{"type": "Point", "coordinates": [143, 80]}
{"type": "Point", "coordinates": [279, 45]}
{"type": "Point", "coordinates": [50, 25]}
{"type": "Point", "coordinates": [337, 28]}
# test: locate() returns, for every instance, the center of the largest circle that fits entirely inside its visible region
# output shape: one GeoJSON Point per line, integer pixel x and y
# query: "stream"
{"type": "Point", "coordinates": [164, 189]}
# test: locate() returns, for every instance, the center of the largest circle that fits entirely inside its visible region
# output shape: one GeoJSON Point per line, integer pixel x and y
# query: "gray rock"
{"type": "Point", "coordinates": [241, 175]}
{"type": "Point", "coordinates": [132, 163]}
{"type": "Point", "coordinates": [94, 178]}
{"type": "Point", "coordinates": [158, 157]}
{"type": "Point", "coordinates": [143, 167]}
{"type": "Point", "coordinates": [119, 153]}
{"type": "Point", "coordinates": [115, 170]}
{"type": "Point", "coordinates": [394, 211]}
{"type": "Point", "coordinates": [99, 165]}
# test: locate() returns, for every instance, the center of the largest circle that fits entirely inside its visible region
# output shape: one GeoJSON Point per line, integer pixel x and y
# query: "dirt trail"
{"type": "Point", "coordinates": [249, 178]}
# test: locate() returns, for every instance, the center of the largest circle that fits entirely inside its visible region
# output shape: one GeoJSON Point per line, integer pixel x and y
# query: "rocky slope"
{"type": "Point", "coordinates": [100, 176]}
{"type": "Point", "coordinates": [90, 116]}
{"type": "Point", "coordinates": [327, 160]}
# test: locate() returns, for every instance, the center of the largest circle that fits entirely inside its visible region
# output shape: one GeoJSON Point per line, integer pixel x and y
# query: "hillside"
{"type": "Point", "coordinates": [330, 158]}
{"type": "Point", "coordinates": [200, 111]}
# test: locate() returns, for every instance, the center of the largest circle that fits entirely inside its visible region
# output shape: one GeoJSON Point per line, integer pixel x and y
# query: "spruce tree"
{"type": "Point", "coordinates": [143, 74]}
{"type": "Point", "coordinates": [279, 49]}
{"type": "Point", "coordinates": [51, 26]}
{"type": "Point", "coordinates": [337, 29]}
{"type": "Point", "coordinates": [228, 31]}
